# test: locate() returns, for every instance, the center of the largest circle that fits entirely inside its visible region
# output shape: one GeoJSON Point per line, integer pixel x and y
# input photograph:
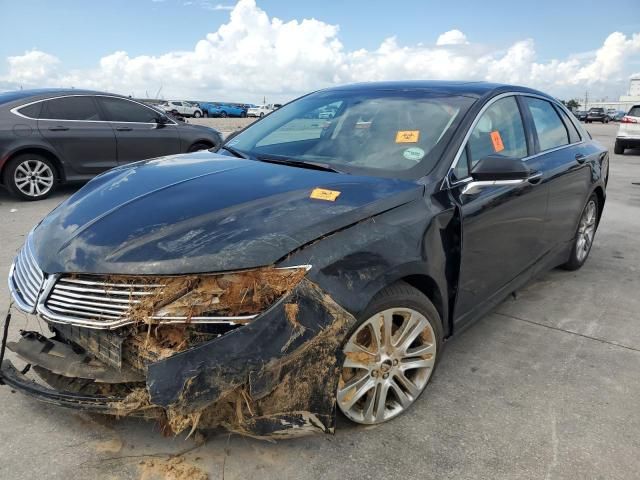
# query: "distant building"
{"type": "Point", "coordinates": [625, 102]}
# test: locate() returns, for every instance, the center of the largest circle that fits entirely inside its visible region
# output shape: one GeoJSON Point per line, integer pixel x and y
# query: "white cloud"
{"type": "Point", "coordinates": [452, 37]}
{"type": "Point", "coordinates": [253, 55]}
{"type": "Point", "coordinates": [219, 6]}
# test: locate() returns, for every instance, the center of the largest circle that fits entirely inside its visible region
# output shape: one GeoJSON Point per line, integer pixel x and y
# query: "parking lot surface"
{"type": "Point", "coordinates": [544, 387]}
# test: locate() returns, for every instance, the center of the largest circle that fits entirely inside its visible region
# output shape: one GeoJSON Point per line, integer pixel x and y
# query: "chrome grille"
{"type": "Point", "coordinates": [25, 279]}
{"type": "Point", "coordinates": [88, 301]}
{"type": "Point", "coordinates": [97, 302]}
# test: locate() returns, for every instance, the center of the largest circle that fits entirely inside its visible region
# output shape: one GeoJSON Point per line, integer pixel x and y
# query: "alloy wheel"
{"type": "Point", "coordinates": [33, 178]}
{"type": "Point", "coordinates": [388, 362]}
{"type": "Point", "coordinates": [586, 231]}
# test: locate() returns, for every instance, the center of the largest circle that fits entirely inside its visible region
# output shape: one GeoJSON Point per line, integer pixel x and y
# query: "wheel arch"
{"type": "Point", "coordinates": [48, 154]}
{"type": "Point", "coordinates": [202, 140]}
{"type": "Point", "coordinates": [599, 192]}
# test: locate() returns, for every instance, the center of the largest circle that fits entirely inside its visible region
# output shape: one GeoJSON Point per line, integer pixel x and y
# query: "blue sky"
{"type": "Point", "coordinates": [79, 33]}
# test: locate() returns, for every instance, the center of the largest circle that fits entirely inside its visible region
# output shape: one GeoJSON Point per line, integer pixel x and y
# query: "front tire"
{"type": "Point", "coordinates": [30, 177]}
{"type": "Point", "coordinates": [390, 355]}
{"type": "Point", "coordinates": [223, 114]}
{"type": "Point", "coordinates": [618, 148]}
{"type": "Point", "coordinates": [583, 240]}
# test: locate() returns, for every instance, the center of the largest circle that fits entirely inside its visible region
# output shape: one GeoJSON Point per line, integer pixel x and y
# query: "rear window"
{"type": "Point", "coordinates": [31, 111]}
{"type": "Point", "coordinates": [635, 111]}
{"type": "Point", "coordinates": [596, 110]}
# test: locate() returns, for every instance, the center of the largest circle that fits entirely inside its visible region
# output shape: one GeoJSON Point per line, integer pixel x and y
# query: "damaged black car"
{"type": "Point", "coordinates": [316, 264]}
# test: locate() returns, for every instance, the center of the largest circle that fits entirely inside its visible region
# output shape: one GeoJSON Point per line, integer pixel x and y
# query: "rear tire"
{"type": "Point", "coordinates": [377, 386]}
{"type": "Point", "coordinates": [205, 114]}
{"type": "Point", "coordinates": [223, 114]}
{"type": "Point", "coordinates": [618, 148]}
{"type": "Point", "coordinates": [585, 233]}
{"type": "Point", "coordinates": [196, 114]}
{"type": "Point", "coordinates": [30, 176]}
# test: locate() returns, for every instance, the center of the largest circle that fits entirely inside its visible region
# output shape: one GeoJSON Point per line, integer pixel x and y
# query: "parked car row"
{"type": "Point", "coordinates": [51, 136]}
{"type": "Point", "coordinates": [599, 115]}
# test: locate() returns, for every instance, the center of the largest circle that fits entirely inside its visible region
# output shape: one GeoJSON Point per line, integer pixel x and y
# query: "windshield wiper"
{"type": "Point", "coordinates": [234, 152]}
{"type": "Point", "coordinates": [298, 163]}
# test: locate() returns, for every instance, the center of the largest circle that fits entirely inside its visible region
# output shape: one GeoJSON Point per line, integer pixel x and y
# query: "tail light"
{"type": "Point", "coordinates": [627, 119]}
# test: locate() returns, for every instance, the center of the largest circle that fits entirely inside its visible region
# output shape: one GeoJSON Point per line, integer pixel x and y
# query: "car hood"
{"type": "Point", "coordinates": [203, 212]}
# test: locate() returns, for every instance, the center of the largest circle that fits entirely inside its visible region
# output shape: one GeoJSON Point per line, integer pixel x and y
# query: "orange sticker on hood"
{"type": "Point", "coordinates": [407, 136]}
{"type": "Point", "coordinates": [496, 139]}
{"type": "Point", "coordinates": [322, 194]}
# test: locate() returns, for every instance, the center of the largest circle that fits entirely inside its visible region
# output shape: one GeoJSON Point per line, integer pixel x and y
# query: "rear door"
{"type": "Point", "coordinates": [566, 158]}
{"type": "Point", "coordinates": [138, 134]}
{"type": "Point", "coordinates": [503, 223]}
{"type": "Point", "coordinates": [74, 126]}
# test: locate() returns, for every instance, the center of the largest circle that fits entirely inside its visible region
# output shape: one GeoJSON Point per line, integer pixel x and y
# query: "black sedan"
{"type": "Point", "coordinates": [50, 136]}
{"type": "Point", "coordinates": [313, 265]}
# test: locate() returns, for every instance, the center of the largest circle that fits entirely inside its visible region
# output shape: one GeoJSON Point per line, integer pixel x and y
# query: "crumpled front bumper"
{"type": "Point", "coordinates": [277, 375]}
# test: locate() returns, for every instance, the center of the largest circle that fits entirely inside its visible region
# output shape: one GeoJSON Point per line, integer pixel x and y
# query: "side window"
{"type": "Point", "coordinates": [120, 110]}
{"type": "Point", "coordinates": [574, 136]}
{"type": "Point", "coordinates": [551, 131]}
{"type": "Point", "coordinates": [70, 108]}
{"type": "Point", "coordinates": [461, 170]}
{"type": "Point", "coordinates": [498, 131]}
{"type": "Point", "coordinates": [31, 111]}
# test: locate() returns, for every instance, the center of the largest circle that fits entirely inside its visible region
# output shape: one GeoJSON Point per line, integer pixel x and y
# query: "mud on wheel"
{"type": "Point", "coordinates": [390, 357]}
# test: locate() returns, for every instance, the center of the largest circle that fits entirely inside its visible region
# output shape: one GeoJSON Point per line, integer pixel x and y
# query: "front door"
{"type": "Point", "coordinates": [83, 140]}
{"type": "Point", "coordinates": [503, 224]}
{"type": "Point", "coordinates": [138, 134]}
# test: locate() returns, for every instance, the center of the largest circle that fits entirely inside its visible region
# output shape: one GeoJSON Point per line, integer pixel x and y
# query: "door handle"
{"type": "Point", "coordinates": [581, 158]}
{"type": "Point", "coordinates": [124, 129]}
{"type": "Point", "coordinates": [59, 128]}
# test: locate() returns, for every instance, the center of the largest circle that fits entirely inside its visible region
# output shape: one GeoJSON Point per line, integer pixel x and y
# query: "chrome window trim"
{"type": "Point", "coordinates": [448, 184]}
{"type": "Point", "coordinates": [15, 111]}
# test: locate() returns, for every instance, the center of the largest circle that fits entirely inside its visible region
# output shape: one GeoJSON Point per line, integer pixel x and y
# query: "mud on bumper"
{"type": "Point", "coordinates": [274, 376]}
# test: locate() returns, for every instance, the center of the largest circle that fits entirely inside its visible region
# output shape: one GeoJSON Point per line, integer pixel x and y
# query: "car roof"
{"type": "Point", "coordinates": [467, 88]}
{"type": "Point", "coordinates": [42, 93]}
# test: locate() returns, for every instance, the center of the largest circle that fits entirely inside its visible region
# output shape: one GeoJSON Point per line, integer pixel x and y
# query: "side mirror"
{"type": "Point", "coordinates": [498, 167]}
{"type": "Point", "coordinates": [161, 121]}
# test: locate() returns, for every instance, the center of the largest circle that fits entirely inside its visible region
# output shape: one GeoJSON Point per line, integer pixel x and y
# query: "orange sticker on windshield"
{"type": "Point", "coordinates": [322, 194]}
{"type": "Point", "coordinates": [407, 136]}
{"type": "Point", "coordinates": [496, 139]}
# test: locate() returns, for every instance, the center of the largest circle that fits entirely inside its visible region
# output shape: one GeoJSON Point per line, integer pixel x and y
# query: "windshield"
{"type": "Point", "coordinates": [383, 132]}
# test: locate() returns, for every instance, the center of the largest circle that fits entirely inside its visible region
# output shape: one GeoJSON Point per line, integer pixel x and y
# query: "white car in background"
{"type": "Point", "coordinates": [629, 131]}
{"type": "Point", "coordinates": [186, 109]}
{"type": "Point", "coordinates": [261, 110]}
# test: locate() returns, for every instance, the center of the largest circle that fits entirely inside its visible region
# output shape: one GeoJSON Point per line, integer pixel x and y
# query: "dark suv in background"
{"type": "Point", "coordinates": [52, 136]}
{"type": "Point", "coordinates": [597, 115]}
